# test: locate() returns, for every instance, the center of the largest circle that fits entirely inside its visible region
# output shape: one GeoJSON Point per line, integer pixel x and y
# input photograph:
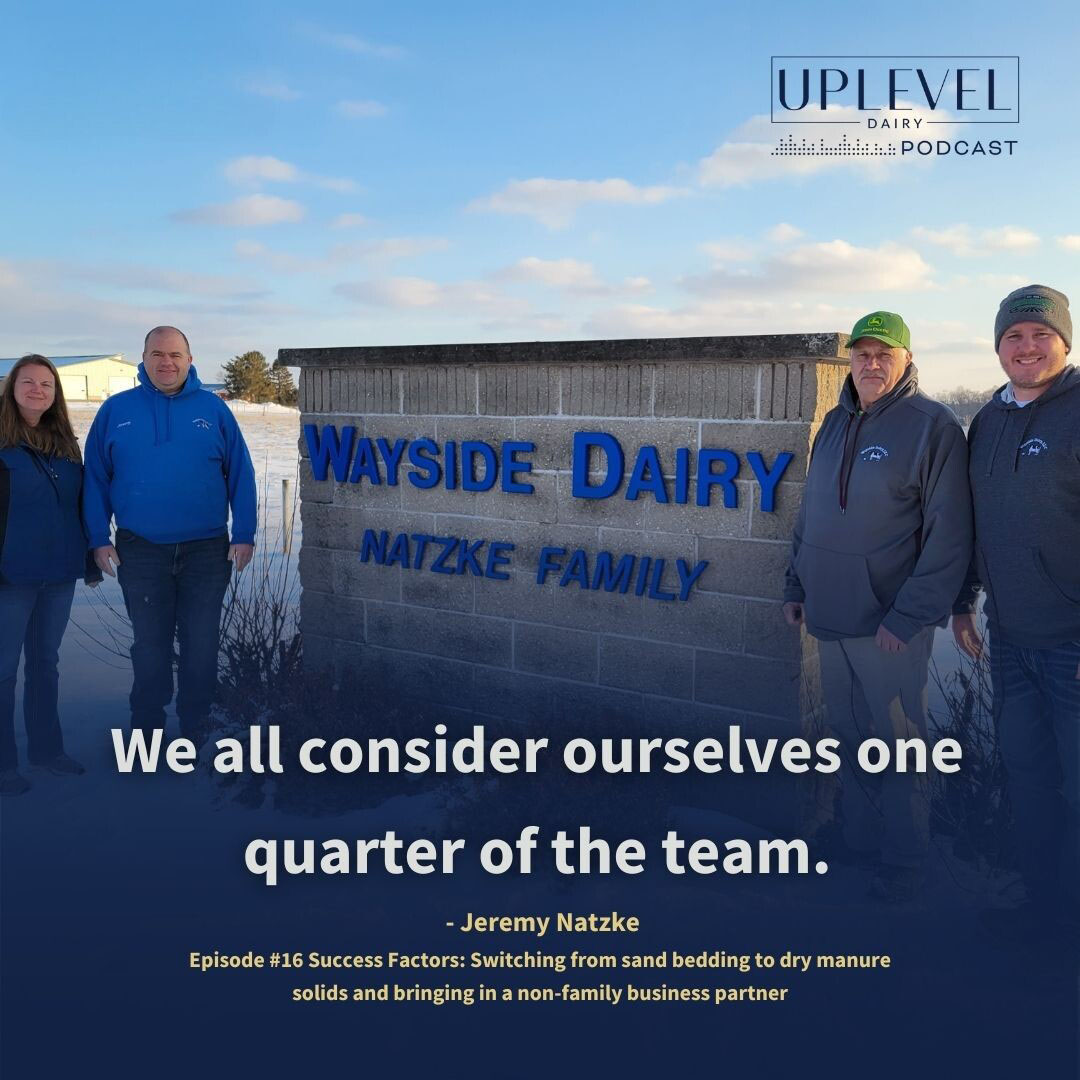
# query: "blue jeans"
{"type": "Point", "coordinates": [173, 592]}
{"type": "Point", "coordinates": [1037, 714]}
{"type": "Point", "coordinates": [33, 619]}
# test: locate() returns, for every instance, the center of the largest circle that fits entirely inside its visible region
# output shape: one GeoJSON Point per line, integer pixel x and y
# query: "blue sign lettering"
{"type": "Point", "coordinates": [478, 466]}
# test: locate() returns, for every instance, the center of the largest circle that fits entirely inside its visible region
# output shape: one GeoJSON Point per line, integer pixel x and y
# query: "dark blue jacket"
{"type": "Point", "coordinates": [41, 531]}
{"type": "Point", "coordinates": [1025, 481]}
{"type": "Point", "coordinates": [168, 466]}
{"type": "Point", "coordinates": [883, 536]}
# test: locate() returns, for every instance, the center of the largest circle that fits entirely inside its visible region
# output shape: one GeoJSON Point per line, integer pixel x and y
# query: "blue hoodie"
{"type": "Point", "coordinates": [168, 467]}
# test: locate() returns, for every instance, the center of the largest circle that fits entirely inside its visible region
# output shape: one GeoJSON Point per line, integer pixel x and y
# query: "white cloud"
{"type": "Point", "coordinates": [8, 277]}
{"type": "Point", "coordinates": [252, 170]}
{"type": "Point", "coordinates": [740, 250]}
{"type": "Point", "coordinates": [398, 292]}
{"type": "Point", "coordinates": [967, 241]}
{"type": "Point", "coordinates": [783, 233]}
{"type": "Point", "coordinates": [362, 108]}
{"type": "Point", "coordinates": [954, 238]}
{"type": "Point", "coordinates": [557, 273]}
{"type": "Point", "coordinates": [554, 202]}
{"type": "Point", "coordinates": [838, 264]}
{"type": "Point", "coordinates": [724, 251]}
{"type": "Point", "coordinates": [275, 89]}
{"type": "Point", "coordinates": [403, 247]}
{"type": "Point", "coordinates": [1071, 242]}
{"type": "Point", "coordinates": [247, 211]}
{"type": "Point", "coordinates": [1009, 238]}
{"type": "Point", "coordinates": [747, 156]}
{"type": "Point", "coordinates": [462, 298]}
{"type": "Point", "coordinates": [352, 44]}
{"type": "Point", "coordinates": [570, 275]}
{"type": "Point", "coordinates": [349, 221]}
{"type": "Point", "coordinates": [834, 266]}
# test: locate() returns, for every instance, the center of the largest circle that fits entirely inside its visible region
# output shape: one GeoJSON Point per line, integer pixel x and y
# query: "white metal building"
{"type": "Point", "coordinates": [87, 378]}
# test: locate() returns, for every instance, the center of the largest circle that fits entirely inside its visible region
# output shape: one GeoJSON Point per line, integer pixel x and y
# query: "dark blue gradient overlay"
{"type": "Point", "coordinates": [109, 881]}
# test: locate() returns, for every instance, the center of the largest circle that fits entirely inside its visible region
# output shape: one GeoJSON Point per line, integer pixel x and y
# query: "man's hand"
{"type": "Point", "coordinates": [793, 613]}
{"type": "Point", "coordinates": [967, 637]}
{"type": "Point", "coordinates": [106, 558]}
{"type": "Point", "coordinates": [240, 555]}
{"type": "Point", "coordinates": [887, 641]}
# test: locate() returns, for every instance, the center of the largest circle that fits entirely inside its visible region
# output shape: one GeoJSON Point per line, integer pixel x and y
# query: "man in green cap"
{"type": "Point", "coordinates": [880, 549]}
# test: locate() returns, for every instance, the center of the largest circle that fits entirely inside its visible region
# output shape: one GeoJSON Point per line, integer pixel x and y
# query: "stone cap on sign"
{"type": "Point", "coordinates": [740, 348]}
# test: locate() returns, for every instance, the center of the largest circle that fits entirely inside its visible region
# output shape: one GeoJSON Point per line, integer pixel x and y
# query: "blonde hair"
{"type": "Point", "coordinates": [53, 434]}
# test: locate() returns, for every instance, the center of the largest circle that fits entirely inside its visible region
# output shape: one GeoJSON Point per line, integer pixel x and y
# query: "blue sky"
{"type": "Point", "coordinates": [343, 174]}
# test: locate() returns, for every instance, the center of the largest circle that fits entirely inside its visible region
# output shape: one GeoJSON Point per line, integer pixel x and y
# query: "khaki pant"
{"type": "Point", "coordinates": [870, 693]}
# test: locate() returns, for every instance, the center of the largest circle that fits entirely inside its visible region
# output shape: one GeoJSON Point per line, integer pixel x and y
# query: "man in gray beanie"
{"type": "Point", "coordinates": [1025, 482]}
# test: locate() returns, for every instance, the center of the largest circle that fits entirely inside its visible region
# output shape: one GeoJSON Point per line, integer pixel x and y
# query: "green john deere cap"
{"type": "Point", "coordinates": [886, 326]}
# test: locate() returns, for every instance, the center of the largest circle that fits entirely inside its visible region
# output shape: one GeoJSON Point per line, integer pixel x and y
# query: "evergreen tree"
{"type": "Point", "coordinates": [284, 389]}
{"type": "Point", "coordinates": [248, 377]}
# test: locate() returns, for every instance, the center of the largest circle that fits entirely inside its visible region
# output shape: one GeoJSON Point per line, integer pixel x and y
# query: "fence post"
{"type": "Point", "coordinates": [288, 515]}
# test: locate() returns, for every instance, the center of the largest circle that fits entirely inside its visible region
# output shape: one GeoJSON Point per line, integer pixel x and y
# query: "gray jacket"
{"type": "Point", "coordinates": [884, 534]}
{"type": "Point", "coordinates": [1025, 479]}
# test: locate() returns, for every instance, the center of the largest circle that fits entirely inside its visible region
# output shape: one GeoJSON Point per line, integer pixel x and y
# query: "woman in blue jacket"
{"type": "Point", "coordinates": [43, 550]}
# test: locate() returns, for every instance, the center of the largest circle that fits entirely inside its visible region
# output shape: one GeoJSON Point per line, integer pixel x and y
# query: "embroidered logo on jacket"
{"type": "Point", "coordinates": [199, 422]}
{"type": "Point", "coordinates": [873, 453]}
{"type": "Point", "coordinates": [1033, 447]}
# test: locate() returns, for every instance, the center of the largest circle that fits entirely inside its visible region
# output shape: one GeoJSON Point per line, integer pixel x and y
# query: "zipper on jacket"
{"type": "Point", "coordinates": [45, 467]}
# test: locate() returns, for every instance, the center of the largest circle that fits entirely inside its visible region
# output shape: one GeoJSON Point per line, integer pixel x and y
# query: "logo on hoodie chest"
{"type": "Point", "coordinates": [1033, 447]}
{"type": "Point", "coordinates": [201, 424]}
{"type": "Point", "coordinates": [873, 453]}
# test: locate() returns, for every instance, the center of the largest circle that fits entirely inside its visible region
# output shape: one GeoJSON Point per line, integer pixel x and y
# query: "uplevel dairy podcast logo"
{"type": "Point", "coordinates": [878, 108]}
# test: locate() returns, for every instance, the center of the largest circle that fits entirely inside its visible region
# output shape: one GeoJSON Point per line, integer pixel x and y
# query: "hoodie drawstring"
{"type": "Point", "coordinates": [1023, 434]}
{"type": "Point", "coordinates": [997, 443]}
{"type": "Point", "coordinates": [845, 481]}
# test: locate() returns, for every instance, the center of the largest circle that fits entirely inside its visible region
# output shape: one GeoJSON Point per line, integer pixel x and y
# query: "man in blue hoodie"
{"type": "Point", "coordinates": [168, 461]}
{"type": "Point", "coordinates": [1025, 483]}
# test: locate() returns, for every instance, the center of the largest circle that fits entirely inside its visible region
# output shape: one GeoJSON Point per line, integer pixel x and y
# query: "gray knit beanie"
{"type": "Point", "coordinates": [1035, 303]}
